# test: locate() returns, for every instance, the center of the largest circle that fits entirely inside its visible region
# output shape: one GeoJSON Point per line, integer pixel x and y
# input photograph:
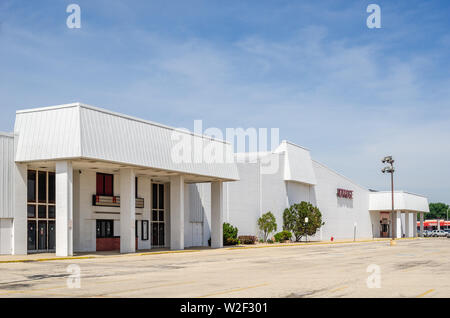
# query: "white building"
{"type": "Point", "coordinates": [78, 178]}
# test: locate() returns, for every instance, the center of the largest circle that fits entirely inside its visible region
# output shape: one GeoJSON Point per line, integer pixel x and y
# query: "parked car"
{"type": "Point", "coordinates": [426, 233]}
{"type": "Point", "coordinates": [448, 234]}
{"type": "Point", "coordinates": [438, 233]}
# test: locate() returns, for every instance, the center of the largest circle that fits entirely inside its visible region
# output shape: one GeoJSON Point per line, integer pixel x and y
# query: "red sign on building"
{"type": "Point", "coordinates": [347, 194]}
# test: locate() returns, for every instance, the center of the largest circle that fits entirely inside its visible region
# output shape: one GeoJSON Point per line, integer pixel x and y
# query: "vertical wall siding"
{"type": "Point", "coordinates": [6, 176]}
{"type": "Point", "coordinates": [48, 134]}
{"type": "Point", "coordinates": [111, 137]}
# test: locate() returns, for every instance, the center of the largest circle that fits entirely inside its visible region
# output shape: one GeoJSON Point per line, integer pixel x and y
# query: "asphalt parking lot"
{"type": "Point", "coordinates": [412, 268]}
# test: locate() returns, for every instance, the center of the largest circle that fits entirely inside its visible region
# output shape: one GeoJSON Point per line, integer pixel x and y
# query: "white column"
{"type": "Point", "coordinates": [20, 227]}
{"type": "Point", "coordinates": [407, 225]}
{"type": "Point", "coordinates": [414, 215]}
{"type": "Point", "coordinates": [399, 224]}
{"type": "Point", "coordinates": [177, 212]}
{"type": "Point", "coordinates": [421, 224]}
{"type": "Point", "coordinates": [64, 208]}
{"type": "Point", "coordinates": [217, 214]}
{"type": "Point", "coordinates": [127, 211]}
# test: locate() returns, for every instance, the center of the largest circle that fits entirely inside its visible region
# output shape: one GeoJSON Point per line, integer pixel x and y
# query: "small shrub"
{"type": "Point", "coordinates": [282, 236]}
{"type": "Point", "coordinates": [261, 241]}
{"type": "Point", "coordinates": [248, 239]}
{"type": "Point", "coordinates": [230, 234]}
{"type": "Point", "coordinates": [267, 224]}
{"type": "Point", "coordinates": [270, 241]}
{"type": "Point", "coordinates": [231, 241]}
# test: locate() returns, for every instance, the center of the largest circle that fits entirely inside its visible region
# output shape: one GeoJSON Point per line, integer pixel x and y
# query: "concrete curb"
{"type": "Point", "coordinates": [321, 243]}
{"type": "Point", "coordinates": [94, 257]}
{"type": "Point", "coordinates": [194, 251]}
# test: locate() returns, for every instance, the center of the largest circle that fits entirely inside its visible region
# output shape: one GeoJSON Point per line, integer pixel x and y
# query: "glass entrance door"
{"type": "Point", "coordinates": [41, 211]}
{"type": "Point", "coordinates": [51, 235]}
{"type": "Point", "coordinates": [158, 218]}
{"type": "Point", "coordinates": [31, 235]}
{"type": "Point", "coordinates": [42, 235]}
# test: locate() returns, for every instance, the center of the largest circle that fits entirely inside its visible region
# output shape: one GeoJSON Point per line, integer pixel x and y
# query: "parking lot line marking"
{"type": "Point", "coordinates": [31, 290]}
{"type": "Point", "coordinates": [168, 252]}
{"type": "Point", "coordinates": [144, 288]}
{"type": "Point", "coordinates": [46, 259]}
{"type": "Point", "coordinates": [232, 290]}
{"type": "Point", "coordinates": [338, 289]}
{"type": "Point", "coordinates": [56, 287]}
{"type": "Point", "coordinates": [425, 293]}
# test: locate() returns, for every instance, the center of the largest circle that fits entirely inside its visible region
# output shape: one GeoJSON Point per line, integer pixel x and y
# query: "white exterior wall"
{"type": "Point", "coordinates": [6, 236]}
{"type": "Point", "coordinates": [87, 214]}
{"type": "Point", "coordinates": [257, 193]}
{"type": "Point", "coordinates": [6, 176]}
{"type": "Point", "coordinates": [274, 195]}
{"type": "Point", "coordinates": [6, 192]}
{"type": "Point", "coordinates": [197, 214]}
{"type": "Point", "coordinates": [243, 205]}
{"type": "Point", "coordinates": [340, 214]}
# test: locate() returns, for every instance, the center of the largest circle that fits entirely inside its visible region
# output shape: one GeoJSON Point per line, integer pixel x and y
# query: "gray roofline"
{"type": "Point", "coordinates": [401, 191]}
{"type": "Point", "coordinates": [5, 134]}
{"type": "Point", "coordinates": [81, 105]}
{"type": "Point", "coordinates": [293, 144]}
{"type": "Point", "coordinates": [341, 175]}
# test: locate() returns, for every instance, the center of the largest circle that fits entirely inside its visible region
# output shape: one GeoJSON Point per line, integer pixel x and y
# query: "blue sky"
{"type": "Point", "coordinates": [311, 68]}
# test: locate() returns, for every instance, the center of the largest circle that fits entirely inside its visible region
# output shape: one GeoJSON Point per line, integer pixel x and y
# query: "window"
{"type": "Point", "coordinates": [42, 186]}
{"type": "Point", "coordinates": [136, 187]}
{"type": "Point", "coordinates": [51, 212]}
{"type": "Point", "coordinates": [31, 211]}
{"type": "Point", "coordinates": [155, 195]}
{"type": "Point", "coordinates": [42, 211]}
{"type": "Point", "coordinates": [51, 187]}
{"type": "Point", "coordinates": [31, 186]}
{"type": "Point", "coordinates": [105, 184]}
{"type": "Point", "coordinates": [144, 230]}
{"type": "Point", "coordinates": [105, 228]}
{"type": "Point", "coordinates": [161, 196]}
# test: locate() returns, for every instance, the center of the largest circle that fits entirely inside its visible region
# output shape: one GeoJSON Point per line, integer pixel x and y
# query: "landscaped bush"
{"type": "Point", "coordinates": [294, 220]}
{"type": "Point", "coordinates": [269, 241]}
{"type": "Point", "coordinates": [282, 236]}
{"type": "Point", "coordinates": [231, 241]}
{"type": "Point", "coordinates": [230, 234]}
{"type": "Point", "coordinates": [267, 224]}
{"type": "Point", "coordinates": [248, 239]}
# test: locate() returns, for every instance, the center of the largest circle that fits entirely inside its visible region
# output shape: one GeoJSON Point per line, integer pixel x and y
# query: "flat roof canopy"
{"type": "Point", "coordinates": [403, 201]}
{"type": "Point", "coordinates": [83, 133]}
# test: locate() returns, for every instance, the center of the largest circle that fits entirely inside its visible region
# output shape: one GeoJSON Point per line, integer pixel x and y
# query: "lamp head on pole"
{"type": "Point", "coordinates": [388, 159]}
{"type": "Point", "coordinates": [388, 170]}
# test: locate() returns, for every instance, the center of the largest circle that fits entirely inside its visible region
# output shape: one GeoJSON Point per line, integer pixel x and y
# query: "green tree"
{"type": "Point", "coordinates": [267, 224]}
{"type": "Point", "coordinates": [294, 219]}
{"type": "Point", "coordinates": [437, 211]}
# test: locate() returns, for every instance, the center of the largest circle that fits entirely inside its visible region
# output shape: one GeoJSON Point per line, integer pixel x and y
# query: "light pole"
{"type": "Point", "coordinates": [390, 169]}
{"type": "Point", "coordinates": [447, 216]}
{"type": "Point", "coordinates": [306, 221]}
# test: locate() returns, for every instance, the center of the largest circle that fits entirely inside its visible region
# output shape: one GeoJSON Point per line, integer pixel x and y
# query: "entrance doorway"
{"type": "Point", "coordinates": [384, 224]}
{"type": "Point", "coordinates": [158, 216]}
{"type": "Point", "coordinates": [41, 211]}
